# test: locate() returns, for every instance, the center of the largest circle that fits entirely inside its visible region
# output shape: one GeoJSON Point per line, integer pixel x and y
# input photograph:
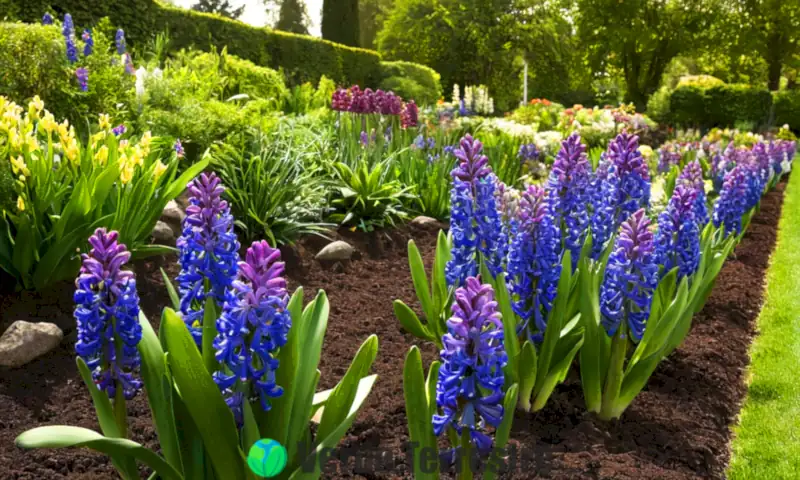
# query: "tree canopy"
{"type": "Point", "coordinates": [220, 7]}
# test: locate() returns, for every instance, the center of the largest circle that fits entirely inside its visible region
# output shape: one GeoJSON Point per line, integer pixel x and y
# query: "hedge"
{"type": "Point", "coordinates": [720, 106]}
{"type": "Point", "coordinates": [412, 80]}
{"type": "Point", "coordinates": [787, 108]}
{"type": "Point", "coordinates": [301, 57]}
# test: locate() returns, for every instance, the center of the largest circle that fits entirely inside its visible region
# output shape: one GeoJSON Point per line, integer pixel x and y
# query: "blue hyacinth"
{"type": "Point", "coordinates": [533, 261]}
{"type": "Point", "coordinates": [528, 153]}
{"type": "Point", "coordinates": [208, 251]}
{"type": "Point", "coordinates": [624, 190]}
{"type": "Point", "coordinates": [678, 237]}
{"type": "Point", "coordinates": [492, 239]}
{"type": "Point", "coordinates": [47, 19]}
{"type": "Point", "coordinates": [82, 75]}
{"type": "Point", "coordinates": [692, 176]}
{"type": "Point", "coordinates": [253, 325]}
{"type": "Point", "coordinates": [72, 50]}
{"type": "Point", "coordinates": [630, 278]}
{"type": "Point", "coordinates": [462, 263]}
{"type": "Point", "coordinates": [119, 40]}
{"type": "Point", "coordinates": [469, 391]}
{"type": "Point", "coordinates": [68, 28]}
{"type": "Point", "coordinates": [732, 202]}
{"type": "Point", "coordinates": [88, 43]}
{"type": "Point", "coordinates": [569, 183]}
{"type": "Point", "coordinates": [107, 315]}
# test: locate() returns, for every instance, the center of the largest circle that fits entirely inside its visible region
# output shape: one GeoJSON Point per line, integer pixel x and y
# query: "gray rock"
{"type": "Point", "coordinates": [25, 341]}
{"type": "Point", "coordinates": [173, 215]}
{"type": "Point", "coordinates": [163, 234]}
{"type": "Point", "coordinates": [183, 199]}
{"type": "Point", "coordinates": [425, 222]}
{"type": "Point", "coordinates": [337, 250]}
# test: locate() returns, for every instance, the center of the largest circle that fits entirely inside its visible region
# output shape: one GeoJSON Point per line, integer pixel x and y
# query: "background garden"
{"type": "Point", "coordinates": [615, 185]}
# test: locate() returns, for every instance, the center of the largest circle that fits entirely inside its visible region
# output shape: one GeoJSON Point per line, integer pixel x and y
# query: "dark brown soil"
{"type": "Point", "coordinates": [678, 428]}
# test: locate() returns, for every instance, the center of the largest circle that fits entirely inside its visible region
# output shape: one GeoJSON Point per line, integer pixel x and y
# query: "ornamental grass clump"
{"type": "Point", "coordinates": [254, 375]}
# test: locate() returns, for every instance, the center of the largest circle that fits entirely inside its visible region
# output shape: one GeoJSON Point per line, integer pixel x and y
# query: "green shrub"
{"type": "Point", "coordinates": [787, 108]}
{"type": "Point", "coordinates": [425, 77]}
{"type": "Point", "coordinates": [33, 62]}
{"type": "Point", "coordinates": [408, 89]}
{"type": "Point", "coordinates": [687, 106]}
{"type": "Point", "coordinates": [248, 78]}
{"type": "Point", "coordinates": [720, 106]}
{"type": "Point", "coordinates": [702, 81]}
{"type": "Point", "coordinates": [658, 106]}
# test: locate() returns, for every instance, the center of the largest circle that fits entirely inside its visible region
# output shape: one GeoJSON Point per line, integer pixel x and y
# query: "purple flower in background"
{"type": "Point", "coordinates": [692, 176]}
{"type": "Point", "coordinates": [528, 152]}
{"type": "Point", "coordinates": [72, 50]}
{"type": "Point", "coordinates": [533, 261]}
{"type": "Point", "coordinates": [68, 28]}
{"type": "Point", "coordinates": [469, 391]}
{"type": "Point", "coordinates": [569, 182]}
{"type": "Point", "coordinates": [364, 139]}
{"type": "Point", "coordinates": [119, 40]}
{"type": "Point", "coordinates": [208, 251]}
{"type": "Point", "coordinates": [83, 78]}
{"type": "Point", "coordinates": [179, 148]}
{"type": "Point", "coordinates": [732, 202]}
{"type": "Point", "coordinates": [387, 135]}
{"type": "Point", "coordinates": [409, 117]}
{"type": "Point", "coordinates": [253, 325]}
{"type": "Point", "coordinates": [129, 68]}
{"type": "Point", "coordinates": [119, 129]}
{"type": "Point", "coordinates": [678, 238]}
{"type": "Point", "coordinates": [340, 100]}
{"type": "Point", "coordinates": [630, 278]}
{"type": "Point", "coordinates": [462, 108]}
{"type": "Point", "coordinates": [107, 316]}
{"type": "Point", "coordinates": [88, 43]}
{"type": "Point", "coordinates": [47, 19]}
{"type": "Point", "coordinates": [668, 156]}
{"type": "Point", "coordinates": [472, 164]}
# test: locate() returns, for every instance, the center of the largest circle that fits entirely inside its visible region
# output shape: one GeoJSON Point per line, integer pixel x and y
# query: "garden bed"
{"type": "Point", "coordinates": [677, 428]}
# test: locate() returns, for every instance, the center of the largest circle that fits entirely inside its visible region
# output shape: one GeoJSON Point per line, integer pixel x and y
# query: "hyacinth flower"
{"type": "Point", "coordinates": [569, 182]}
{"type": "Point", "coordinates": [178, 147]}
{"type": "Point", "coordinates": [528, 153]}
{"type": "Point", "coordinates": [208, 251]}
{"type": "Point", "coordinates": [107, 315]}
{"type": "Point", "coordinates": [255, 322]}
{"type": "Point", "coordinates": [678, 238]}
{"type": "Point", "coordinates": [88, 43]}
{"type": "Point", "coordinates": [72, 50]}
{"type": "Point", "coordinates": [68, 27]}
{"type": "Point", "coordinates": [692, 176]}
{"type": "Point", "coordinates": [469, 391]}
{"type": "Point", "coordinates": [624, 190]}
{"type": "Point", "coordinates": [668, 156]}
{"type": "Point", "coordinates": [534, 262]}
{"type": "Point", "coordinates": [82, 74]}
{"type": "Point", "coordinates": [119, 41]}
{"type": "Point", "coordinates": [47, 19]}
{"type": "Point", "coordinates": [732, 202]}
{"type": "Point", "coordinates": [119, 129]}
{"type": "Point", "coordinates": [409, 116]}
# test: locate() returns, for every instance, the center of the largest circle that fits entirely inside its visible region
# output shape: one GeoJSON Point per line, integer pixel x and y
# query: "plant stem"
{"type": "Point", "coordinates": [619, 347]}
{"type": "Point", "coordinates": [465, 473]}
{"type": "Point", "coordinates": [121, 412]}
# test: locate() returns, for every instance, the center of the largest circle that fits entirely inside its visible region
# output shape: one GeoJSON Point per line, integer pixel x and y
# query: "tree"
{"type": "Point", "coordinates": [292, 17]}
{"type": "Point", "coordinates": [220, 7]}
{"type": "Point", "coordinates": [340, 22]}
{"type": "Point", "coordinates": [371, 15]}
{"type": "Point", "coordinates": [641, 37]}
{"type": "Point", "coordinates": [775, 31]}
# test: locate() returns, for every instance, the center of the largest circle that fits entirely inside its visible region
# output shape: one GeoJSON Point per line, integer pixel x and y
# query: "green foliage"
{"type": "Point", "coordinates": [274, 188]}
{"type": "Point", "coordinates": [219, 7]}
{"type": "Point", "coordinates": [787, 108]}
{"type": "Point", "coordinates": [658, 106]}
{"type": "Point", "coordinates": [543, 115]}
{"type": "Point", "coordinates": [702, 81]}
{"type": "Point", "coordinates": [720, 106]}
{"type": "Point", "coordinates": [33, 62]}
{"type": "Point", "coordinates": [292, 17]}
{"type": "Point", "coordinates": [340, 22]}
{"type": "Point", "coordinates": [426, 88]}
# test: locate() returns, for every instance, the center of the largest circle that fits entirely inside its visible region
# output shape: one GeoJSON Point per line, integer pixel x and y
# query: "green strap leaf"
{"type": "Point", "coordinates": [409, 320]}
{"type": "Point", "coordinates": [173, 294]}
{"type": "Point", "coordinates": [528, 367]}
{"type": "Point", "coordinates": [502, 433]}
{"type": "Point", "coordinates": [420, 280]}
{"type": "Point", "coordinates": [418, 413]}
{"type": "Point", "coordinates": [210, 314]}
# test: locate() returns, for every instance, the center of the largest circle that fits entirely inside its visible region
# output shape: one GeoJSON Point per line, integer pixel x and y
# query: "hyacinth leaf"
{"type": "Point", "coordinates": [179, 184]}
{"type": "Point", "coordinates": [430, 385]}
{"type": "Point", "coordinates": [105, 417]}
{"type": "Point", "coordinates": [250, 434]}
{"type": "Point", "coordinates": [418, 411]}
{"type": "Point", "coordinates": [527, 374]}
{"type": "Point", "coordinates": [145, 251]}
{"type": "Point", "coordinates": [555, 322]}
{"type": "Point", "coordinates": [502, 434]}
{"type": "Point", "coordinates": [596, 348]}
{"type": "Point", "coordinates": [209, 333]}
{"type": "Point", "coordinates": [158, 385]}
{"type": "Point", "coordinates": [203, 400]}
{"type": "Point", "coordinates": [306, 376]}
{"type": "Point", "coordinates": [410, 322]}
{"type": "Point", "coordinates": [420, 279]}
{"type": "Point", "coordinates": [511, 342]}
{"type": "Point", "coordinates": [663, 297]}
{"type": "Point", "coordinates": [339, 402]}
{"type": "Point", "coordinates": [439, 280]}
{"type": "Point", "coordinates": [329, 442]}
{"type": "Point", "coordinates": [662, 327]}
{"type": "Point", "coordinates": [65, 436]}
{"type": "Point", "coordinates": [191, 443]}
{"type": "Point", "coordinates": [564, 355]}
{"type": "Point", "coordinates": [173, 294]}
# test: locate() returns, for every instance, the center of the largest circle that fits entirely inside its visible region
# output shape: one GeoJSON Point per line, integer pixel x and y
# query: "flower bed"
{"type": "Point", "coordinates": [677, 427]}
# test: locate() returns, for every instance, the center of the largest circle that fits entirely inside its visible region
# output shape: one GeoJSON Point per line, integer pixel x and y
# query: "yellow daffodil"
{"type": "Point", "coordinates": [18, 165]}
{"type": "Point", "coordinates": [63, 130]}
{"type": "Point", "coordinates": [20, 204]}
{"type": "Point", "coordinates": [105, 121]}
{"type": "Point", "coordinates": [101, 155]}
{"type": "Point", "coordinates": [126, 174]}
{"type": "Point", "coordinates": [71, 150]}
{"type": "Point", "coordinates": [159, 170]}
{"type": "Point", "coordinates": [14, 139]}
{"type": "Point", "coordinates": [30, 141]}
{"type": "Point", "coordinates": [137, 157]}
{"type": "Point", "coordinates": [48, 122]}
{"type": "Point", "coordinates": [35, 107]}
{"type": "Point", "coordinates": [98, 137]}
{"type": "Point", "coordinates": [147, 138]}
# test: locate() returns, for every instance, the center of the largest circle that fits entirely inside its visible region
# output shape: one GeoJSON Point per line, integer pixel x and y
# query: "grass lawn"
{"type": "Point", "coordinates": [767, 440]}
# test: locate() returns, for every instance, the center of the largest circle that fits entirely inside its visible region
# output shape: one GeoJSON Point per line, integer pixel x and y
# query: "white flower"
{"type": "Point", "coordinates": [141, 76]}
{"type": "Point", "coordinates": [157, 74]}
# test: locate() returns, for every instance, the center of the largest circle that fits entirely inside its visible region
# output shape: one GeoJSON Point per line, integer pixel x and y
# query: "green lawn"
{"type": "Point", "coordinates": [767, 440]}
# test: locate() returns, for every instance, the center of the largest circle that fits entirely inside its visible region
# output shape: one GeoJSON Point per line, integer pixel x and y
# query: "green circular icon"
{"type": "Point", "coordinates": [267, 458]}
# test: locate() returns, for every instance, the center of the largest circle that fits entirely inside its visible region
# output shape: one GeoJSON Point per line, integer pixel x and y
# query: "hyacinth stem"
{"type": "Point", "coordinates": [120, 411]}
{"type": "Point", "coordinates": [619, 347]}
{"type": "Point", "coordinates": [465, 470]}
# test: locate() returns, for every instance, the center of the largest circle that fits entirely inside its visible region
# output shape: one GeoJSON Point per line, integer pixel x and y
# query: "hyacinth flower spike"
{"type": "Point", "coordinates": [107, 315]}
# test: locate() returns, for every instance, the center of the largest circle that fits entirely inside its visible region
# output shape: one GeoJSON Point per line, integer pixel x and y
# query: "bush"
{"type": "Point", "coordinates": [658, 106]}
{"type": "Point", "coordinates": [702, 81]}
{"type": "Point", "coordinates": [720, 106]}
{"type": "Point", "coordinates": [787, 108]}
{"type": "Point", "coordinates": [248, 78]}
{"type": "Point", "coordinates": [425, 77]}
{"type": "Point", "coordinates": [408, 89]}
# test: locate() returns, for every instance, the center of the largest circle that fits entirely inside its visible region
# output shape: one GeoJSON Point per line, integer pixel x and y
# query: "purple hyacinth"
{"type": "Point", "coordinates": [253, 325]}
{"type": "Point", "coordinates": [533, 261]}
{"type": "Point", "coordinates": [409, 117]}
{"type": "Point", "coordinates": [340, 100]}
{"type": "Point", "coordinates": [528, 152]}
{"type": "Point", "coordinates": [47, 19]}
{"type": "Point", "coordinates": [678, 238]}
{"type": "Point", "coordinates": [472, 165]}
{"type": "Point", "coordinates": [119, 129]}
{"type": "Point", "coordinates": [364, 139]}
{"type": "Point", "coordinates": [625, 189]}
{"type": "Point", "coordinates": [72, 50]}
{"type": "Point", "coordinates": [630, 278]}
{"type": "Point", "coordinates": [732, 202]}
{"type": "Point", "coordinates": [668, 156]}
{"type": "Point", "coordinates": [692, 176]}
{"type": "Point", "coordinates": [129, 68]}
{"type": "Point", "coordinates": [208, 250]}
{"type": "Point", "coordinates": [107, 315]}
{"type": "Point", "coordinates": [68, 28]}
{"type": "Point", "coordinates": [119, 40]}
{"type": "Point", "coordinates": [178, 147]}
{"type": "Point", "coordinates": [82, 75]}
{"type": "Point", "coordinates": [88, 43]}
{"type": "Point", "coordinates": [569, 181]}
{"type": "Point", "coordinates": [469, 391]}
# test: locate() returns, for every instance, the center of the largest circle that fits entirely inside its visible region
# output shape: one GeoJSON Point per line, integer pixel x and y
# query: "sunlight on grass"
{"type": "Point", "coordinates": [767, 439]}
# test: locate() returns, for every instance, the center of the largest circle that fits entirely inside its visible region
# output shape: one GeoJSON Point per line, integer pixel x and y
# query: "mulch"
{"type": "Point", "coordinates": [677, 428]}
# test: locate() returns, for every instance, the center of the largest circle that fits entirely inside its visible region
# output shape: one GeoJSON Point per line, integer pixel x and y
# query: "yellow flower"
{"type": "Point", "coordinates": [48, 122]}
{"type": "Point", "coordinates": [63, 130]}
{"type": "Point", "coordinates": [137, 158]}
{"type": "Point", "coordinates": [98, 137]}
{"type": "Point", "coordinates": [30, 141]}
{"type": "Point", "coordinates": [126, 174]}
{"type": "Point", "coordinates": [105, 121]}
{"type": "Point", "coordinates": [101, 155]}
{"type": "Point", "coordinates": [20, 204]}
{"type": "Point", "coordinates": [71, 151]}
{"type": "Point", "coordinates": [18, 165]}
{"type": "Point", "coordinates": [35, 106]}
{"type": "Point", "coordinates": [147, 137]}
{"type": "Point", "coordinates": [14, 139]}
{"type": "Point", "coordinates": [160, 169]}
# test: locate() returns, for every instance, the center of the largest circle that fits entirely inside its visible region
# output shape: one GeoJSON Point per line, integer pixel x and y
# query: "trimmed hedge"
{"type": "Point", "coordinates": [787, 108]}
{"type": "Point", "coordinates": [301, 57]}
{"type": "Point", "coordinates": [720, 106]}
{"type": "Point", "coordinates": [412, 81]}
